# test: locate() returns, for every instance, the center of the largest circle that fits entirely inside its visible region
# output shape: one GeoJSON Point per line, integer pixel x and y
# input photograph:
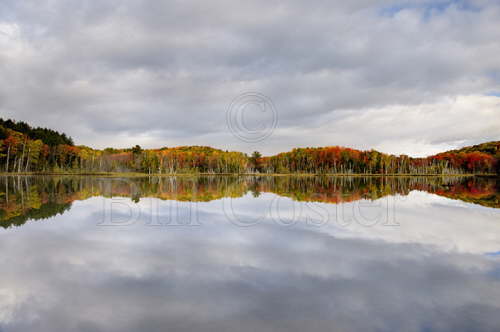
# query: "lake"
{"type": "Point", "coordinates": [224, 253]}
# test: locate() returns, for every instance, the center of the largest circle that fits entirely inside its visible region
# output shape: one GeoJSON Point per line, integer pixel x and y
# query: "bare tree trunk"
{"type": "Point", "coordinates": [14, 164]}
{"type": "Point", "coordinates": [8, 155]}
{"type": "Point", "coordinates": [28, 160]}
{"type": "Point", "coordinates": [22, 158]}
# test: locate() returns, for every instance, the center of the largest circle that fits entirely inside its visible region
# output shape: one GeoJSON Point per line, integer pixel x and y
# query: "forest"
{"type": "Point", "coordinates": [24, 149]}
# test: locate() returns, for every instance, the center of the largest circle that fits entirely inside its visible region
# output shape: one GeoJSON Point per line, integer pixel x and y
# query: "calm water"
{"type": "Point", "coordinates": [249, 254]}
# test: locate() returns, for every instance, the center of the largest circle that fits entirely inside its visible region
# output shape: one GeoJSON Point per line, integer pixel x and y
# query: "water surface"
{"type": "Point", "coordinates": [249, 254]}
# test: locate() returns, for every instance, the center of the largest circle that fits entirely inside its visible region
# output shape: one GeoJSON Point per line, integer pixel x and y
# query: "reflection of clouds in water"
{"type": "Point", "coordinates": [422, 218]}
{"type": "Point", "coordinates": [70, 275]}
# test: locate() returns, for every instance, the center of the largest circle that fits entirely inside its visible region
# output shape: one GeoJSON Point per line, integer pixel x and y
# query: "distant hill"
{"type": "Point", "coordinates": [47, 136]}
{"type": "Point", "coordinates": [483, 151]}
{"type": "Point", "coordinates": [492, 148]}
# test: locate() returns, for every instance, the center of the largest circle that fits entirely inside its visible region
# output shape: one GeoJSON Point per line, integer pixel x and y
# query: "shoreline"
{"type": "Point", "coordinates": [136, 174]}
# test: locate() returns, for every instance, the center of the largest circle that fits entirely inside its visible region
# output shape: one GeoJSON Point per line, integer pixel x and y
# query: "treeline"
{"type": "Point", "coordinates": [340, 160]}
{"type": "Point", "coordinates": [47, 136]}
{"type": "Point", "coordinates": [27, 149]}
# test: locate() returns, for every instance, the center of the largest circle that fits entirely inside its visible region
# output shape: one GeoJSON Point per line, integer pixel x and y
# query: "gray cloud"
{"type": "Point", "coordinates": [163, 73]}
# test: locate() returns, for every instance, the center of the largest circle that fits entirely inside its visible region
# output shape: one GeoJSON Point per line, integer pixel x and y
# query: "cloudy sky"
{"type": "Point", "coordinates": [414, 76]}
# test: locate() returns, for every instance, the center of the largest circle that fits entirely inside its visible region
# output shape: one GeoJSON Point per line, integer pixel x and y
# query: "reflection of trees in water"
{"type": "Point", "coordinates": [347, 189]}
{"type": "Point", "coordinates": [25, 198]}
